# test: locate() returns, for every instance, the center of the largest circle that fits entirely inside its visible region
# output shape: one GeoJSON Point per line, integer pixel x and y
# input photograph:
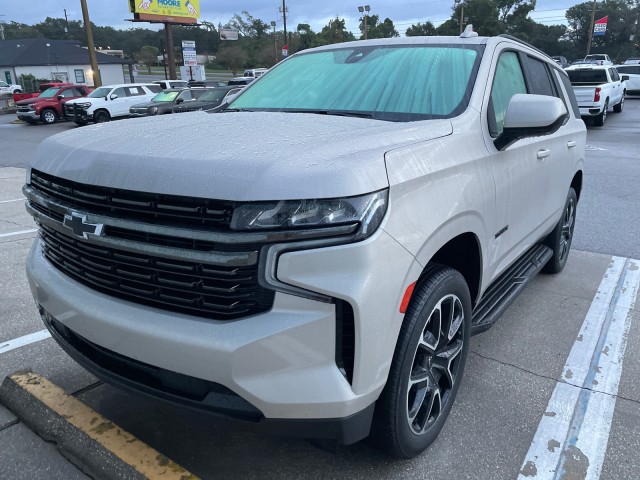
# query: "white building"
{"type": "Point", "coordinates": [64, 60]}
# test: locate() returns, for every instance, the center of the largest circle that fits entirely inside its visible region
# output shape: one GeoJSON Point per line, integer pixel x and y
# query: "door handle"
{"type": "Point", "coordinates": [571, 144]}
{"type": "Point", "coordinates": [544, 153]}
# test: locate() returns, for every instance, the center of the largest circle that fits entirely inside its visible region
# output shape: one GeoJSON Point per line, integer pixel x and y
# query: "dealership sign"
{"type": "Point", "coordinates": [228, 34]}
{"type": "Point", "coordinates": [600, 27]}
{"type": "Point", "coordinates": [189, 53]}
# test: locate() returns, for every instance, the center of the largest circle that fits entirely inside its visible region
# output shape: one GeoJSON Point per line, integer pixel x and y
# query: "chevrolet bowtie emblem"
{"type": "Point", "coordinates": [80, 227]}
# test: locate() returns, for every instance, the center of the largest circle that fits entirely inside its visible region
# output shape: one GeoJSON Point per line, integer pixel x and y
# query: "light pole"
{"type": "Point", "coordinates": [461, 3]}
{"type": "Point", "coordinates": [365, 9]}
{"type": "Point", "coordinates": [275, 41]}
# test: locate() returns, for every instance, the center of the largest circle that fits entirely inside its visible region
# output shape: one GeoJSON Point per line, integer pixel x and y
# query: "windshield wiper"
{"type": "Point", "coordinates": [339, 113]}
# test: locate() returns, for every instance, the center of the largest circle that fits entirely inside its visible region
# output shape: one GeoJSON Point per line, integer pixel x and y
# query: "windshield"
{"type": "Point", "coordinates": [396, 83]}
{"type": "Point", "coordinates": [100, 92]}
{"type": "Point", "coordinates": [165, 97]}
{"type": "Point", "coordinates": [49, 93]}
{"type": "Point", "coordinates": [212, 96]}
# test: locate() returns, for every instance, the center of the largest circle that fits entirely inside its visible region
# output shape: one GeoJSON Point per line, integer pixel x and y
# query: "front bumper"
{"type": "Point", "coordinates": [29, 116]}
{"type": "Point", "coordinates": [281, 363]}
{"type": "Point", "coordinates": [77, 114]}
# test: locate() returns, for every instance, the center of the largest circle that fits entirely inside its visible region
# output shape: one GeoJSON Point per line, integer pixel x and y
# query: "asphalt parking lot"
{"type": "Point", "coordinates": [555, 382]}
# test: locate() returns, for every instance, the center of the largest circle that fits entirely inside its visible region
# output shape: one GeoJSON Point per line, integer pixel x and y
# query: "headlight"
{"type": "Point", "coordinates": [366, 210]}
{"type": "Point", "coordinates": [153, 110]}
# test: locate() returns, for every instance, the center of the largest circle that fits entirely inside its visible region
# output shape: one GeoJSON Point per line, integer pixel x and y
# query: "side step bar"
{"type": "Point", "coordinates": [507, 287]}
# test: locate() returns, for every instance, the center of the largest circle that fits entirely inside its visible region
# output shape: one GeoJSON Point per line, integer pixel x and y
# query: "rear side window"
{"type": "Point", "coordinates": [155, 88]}
{"type": "Point", "coordinates": [135, 91]}
{"type": "Point", "coordinates": [540, 82]}
{"type": "Point", "coordinates": [569, 93]}
{"type": "Point", "coordinates": [508, 81]}
{"type": "Point", "coordinates": [629, 69]}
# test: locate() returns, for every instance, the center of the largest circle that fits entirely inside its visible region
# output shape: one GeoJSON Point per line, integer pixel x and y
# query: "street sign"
{"type": "Point", "coordinates": [285, 51]}
{"type": "Point", "coordinates": [228, 34]}
{"type": "Point", "coordinates": [189, 56]}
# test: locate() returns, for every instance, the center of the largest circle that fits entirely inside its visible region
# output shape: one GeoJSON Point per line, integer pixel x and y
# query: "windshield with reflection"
{"type": "Point", "coordinates": [165, 97]}
{"type": "Point", "coordinates": [212, 96]}
{"type": "Point", "coordinates": [395, 83]}
{"type": "Point", "coordinates": [49, 93]}
{"type": "Point", "coordinates": [99, 92]}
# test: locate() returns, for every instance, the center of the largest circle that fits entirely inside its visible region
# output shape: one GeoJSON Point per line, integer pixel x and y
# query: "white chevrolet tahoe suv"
{"type": "Point", "coordinates": [314, 258]}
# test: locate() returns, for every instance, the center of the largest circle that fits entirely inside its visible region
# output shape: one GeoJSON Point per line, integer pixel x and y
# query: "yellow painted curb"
{"type": "Point", "coordinates": [144, 459]}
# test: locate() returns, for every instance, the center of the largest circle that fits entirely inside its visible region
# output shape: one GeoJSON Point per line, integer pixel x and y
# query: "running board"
{"type": "Point", "coordinates": [507, 287]}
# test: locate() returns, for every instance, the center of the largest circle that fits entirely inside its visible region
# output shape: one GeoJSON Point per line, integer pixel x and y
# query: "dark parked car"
{"type": "Point", "coordinates": [241, 81]}
{"type": "Point", "coordinates": [210, 99]}
{"type": "Point", "coordinates": [164, 101]}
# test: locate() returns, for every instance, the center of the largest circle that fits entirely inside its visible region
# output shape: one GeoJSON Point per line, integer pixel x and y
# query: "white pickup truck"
{"type": "Point", "coordinates": [597, 88]}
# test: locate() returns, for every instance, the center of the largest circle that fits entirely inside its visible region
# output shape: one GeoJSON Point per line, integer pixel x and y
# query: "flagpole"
{"type": "Point", "coordinates": [593, 19]}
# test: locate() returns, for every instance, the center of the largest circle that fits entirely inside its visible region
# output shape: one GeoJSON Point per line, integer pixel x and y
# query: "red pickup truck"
{"type": "Point", "coordinates": [48, 106]}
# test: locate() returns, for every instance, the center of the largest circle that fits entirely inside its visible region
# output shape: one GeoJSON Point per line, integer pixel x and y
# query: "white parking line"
{"type": "Point", "coordinates": [23, 341]}
{"type": "Point", "coordinates": [571, 440]}
{"type": "Point", "coordinates": [21, 232]}
{"type": "Point", "coordinates": [13, 200]}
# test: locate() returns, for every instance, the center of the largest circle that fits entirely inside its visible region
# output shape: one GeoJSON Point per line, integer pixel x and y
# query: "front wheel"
{"type": "Point", "coordinates": [101, 116]}
{"type": "Point", "coordinates": [48, 117]}
{"type": "Point", "coordinates": [559, 240]}
{"type": "Point", "coordinates": [427, 365]}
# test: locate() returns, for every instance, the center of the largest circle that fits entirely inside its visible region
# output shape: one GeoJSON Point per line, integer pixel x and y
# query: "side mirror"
{"type": "Point", "coordinates": [624, 78]}
{"type": "Point", "coordinates": [531, 115]}
{"type": "Point", "coordinates": [60, 97]}
{"type": "Point", "coordinates": [113, 96]}
{"type": "Point", "coordinates": [179, 101]}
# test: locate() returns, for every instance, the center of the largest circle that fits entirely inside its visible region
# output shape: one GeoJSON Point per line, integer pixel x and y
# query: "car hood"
{"type": "Point", "coordinates": [238, 156]}
{"type": "Point", "coordinates": [29, 101]}
{"type": "Point", "coordinates": [149, 104]}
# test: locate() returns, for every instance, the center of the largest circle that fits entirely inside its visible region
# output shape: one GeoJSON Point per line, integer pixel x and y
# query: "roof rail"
{"type": "Point", "coordinates": [516, 39]}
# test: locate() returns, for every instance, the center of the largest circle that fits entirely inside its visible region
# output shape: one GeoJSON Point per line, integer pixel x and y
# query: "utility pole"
{"type": "Point", "coordinates": [275, 41]}
{"type": "Point", "coordinates": [2, 28]}
{"type": "Point", "coordinates": [97, 81]}
{"type": "Point", "coordinates": [593, 19]}
{"type": "Point", "coordinates": [171, 53]}
{"type": "Point", "coordinates": [284, 18]}
{"type": "Point", "coordinates": [66, 24]}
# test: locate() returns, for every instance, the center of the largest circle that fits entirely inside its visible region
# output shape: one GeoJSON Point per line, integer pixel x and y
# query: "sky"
{"type": "Point", "coordinates": [404, 13]}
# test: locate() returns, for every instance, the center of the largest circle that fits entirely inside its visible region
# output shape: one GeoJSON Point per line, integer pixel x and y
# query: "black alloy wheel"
{"type": "Point", "coordinates": [559, 240]}
{"type": "Point", "coordinates": [427, 365]}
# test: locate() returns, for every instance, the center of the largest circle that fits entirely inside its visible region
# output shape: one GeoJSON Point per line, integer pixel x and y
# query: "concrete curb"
{"type": "Point", "coordinates": [91, 442]}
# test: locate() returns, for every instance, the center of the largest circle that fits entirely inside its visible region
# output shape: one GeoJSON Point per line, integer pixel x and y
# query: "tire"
{"type": "Point", "coordinates": [618, 108]}
{"type": "Point", "coordinates": [559, 240]}
{"type": "Point", "coordinates": [101, 116]}
{"type": "Point", "coordinates": [600, 119]}
{"type": "Point", "coordinates": [427, 365]}
{"type": "Point", "coordinates": [49, 117]}
{"type": "Point", "coordinates": [17, 91]}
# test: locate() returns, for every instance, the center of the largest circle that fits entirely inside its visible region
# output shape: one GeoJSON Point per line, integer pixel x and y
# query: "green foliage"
{"type": "Point", "coordinates": [377, 29]}
{"type": "Point", "coordinates": [421, 30]}
{"type": "Point", "coordinates": [148, 56]}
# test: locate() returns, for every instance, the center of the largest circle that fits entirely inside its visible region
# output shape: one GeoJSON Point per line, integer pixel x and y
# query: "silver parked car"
{"type": "Point", "coordinates": [314, 258]}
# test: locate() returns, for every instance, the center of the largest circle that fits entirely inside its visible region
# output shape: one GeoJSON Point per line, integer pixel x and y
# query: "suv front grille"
{"type": "Point", "coordinates": [169, 210]}
{"type": "Point", "coordinates": [195, 288]}
{"type": "Point", "coordinates": [170, 252]}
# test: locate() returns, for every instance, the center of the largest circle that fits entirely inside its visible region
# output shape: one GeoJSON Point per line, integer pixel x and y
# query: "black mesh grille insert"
{"type": "Point", "coordinates": [169, 210]}
{"type": "Point", "coordinates": [212, 291]}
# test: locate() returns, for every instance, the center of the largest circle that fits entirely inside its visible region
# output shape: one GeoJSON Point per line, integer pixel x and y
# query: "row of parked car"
{"type": "Point", "coordinates": [82, 105]}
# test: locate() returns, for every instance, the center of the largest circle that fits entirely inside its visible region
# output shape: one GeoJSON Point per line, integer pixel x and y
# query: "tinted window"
{"type": "Point", "coordinates": [539, 75]}
{"type": "Point", "coordinates": [629, 69]}
{"type": "Point", "coordinates": [134, 91]}
{"type": "Point", "coordinates": [614, 74]}
{"type": "Point", "coordinates": [508, 81]}
{"type": "Point", "coordinates": [155, 88]}
{"type": "Point", "coordinates": [69, 93]}
{"type": "Point", "coordinates": [120, 92]}
{"type": "Point", "coordinates": [587, 76]}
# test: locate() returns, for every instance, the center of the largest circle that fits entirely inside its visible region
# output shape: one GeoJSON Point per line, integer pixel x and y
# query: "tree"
{"type": "Point", "coordinates": [148, 56]}
{"type": "Point", "coordinates": [307, 38]}
{"type": "Point", "coordinates": [335, 32]}
{"type": "Point", "coordinates": [421, 30]}
{"type": "Point", "coordinates": [232, 56]}
{"type": "Point", "coordinates": [377, 29]}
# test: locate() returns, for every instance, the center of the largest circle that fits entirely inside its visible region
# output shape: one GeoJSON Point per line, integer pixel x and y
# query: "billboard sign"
{"type": "Point", "coordinates": [228, 34]}
{"type": "Point", "coordinates": [186, 11]}
{"type": "Point", "coordinates": [600, 27]}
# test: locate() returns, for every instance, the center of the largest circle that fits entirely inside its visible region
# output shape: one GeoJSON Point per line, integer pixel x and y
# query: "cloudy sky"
{"type": "Point", "coordinates": [404, 13]}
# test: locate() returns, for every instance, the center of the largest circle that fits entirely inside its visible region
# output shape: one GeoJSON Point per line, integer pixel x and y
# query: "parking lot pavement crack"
{"type": "Point", "coordinates": [88, 388]}
{"type": "Point", "coordinates": [9, 424]}
{"type": "Point", "coordinates": [546, 377]}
